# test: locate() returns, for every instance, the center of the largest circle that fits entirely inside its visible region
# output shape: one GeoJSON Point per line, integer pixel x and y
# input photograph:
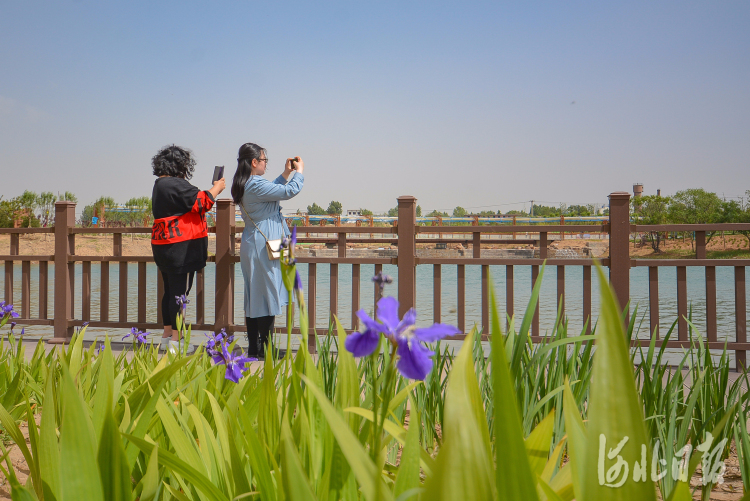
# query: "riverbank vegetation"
{"type": "Point", "coordinates": [553, 421]}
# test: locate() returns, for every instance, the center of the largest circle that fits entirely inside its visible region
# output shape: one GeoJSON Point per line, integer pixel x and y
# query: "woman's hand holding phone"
{"type": "Point", "coordinates": [295, 163]}
{"type": "Point", "coordinates": [218, 187]}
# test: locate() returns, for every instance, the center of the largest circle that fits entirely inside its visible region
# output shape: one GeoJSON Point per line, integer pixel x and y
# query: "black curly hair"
{"type": "Point", "coordinates": [174, 161]}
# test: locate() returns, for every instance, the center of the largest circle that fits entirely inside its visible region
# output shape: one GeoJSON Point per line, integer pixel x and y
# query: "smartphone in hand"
{"type": "Point", "coordinates": [218, 173]}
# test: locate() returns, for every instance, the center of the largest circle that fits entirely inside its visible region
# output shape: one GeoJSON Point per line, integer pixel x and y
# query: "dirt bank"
{"type": "Point", "coordinates": [727, 247]}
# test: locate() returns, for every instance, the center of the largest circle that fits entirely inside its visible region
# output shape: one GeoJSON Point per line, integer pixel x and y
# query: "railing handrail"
{"type": "Point", "coordinates": [114, 230]}
{"type": "Point", "coordinates": [24, 231]}
{"type": "Point", "coordinates": [693, 227]}
{"type": "Point", "coordinates": [545, 228]}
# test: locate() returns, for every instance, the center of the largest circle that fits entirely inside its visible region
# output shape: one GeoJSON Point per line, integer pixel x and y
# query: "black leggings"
{"type": "Point", "coordinates": [175, 285]}
{"type": "Point", "coordinates": [259, 332]}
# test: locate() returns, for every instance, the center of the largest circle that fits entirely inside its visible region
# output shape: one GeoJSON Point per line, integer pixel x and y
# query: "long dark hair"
{"type": "Point", "coordinates": [248, 152]}
{"type": "Point", "coordinates": [173, 161]}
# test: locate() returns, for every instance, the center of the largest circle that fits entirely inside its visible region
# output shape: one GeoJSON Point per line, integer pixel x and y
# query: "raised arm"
{"type": "Point", "coordinates": [266, 191]}
{"type": "Point", "coordinates": [280, 180]}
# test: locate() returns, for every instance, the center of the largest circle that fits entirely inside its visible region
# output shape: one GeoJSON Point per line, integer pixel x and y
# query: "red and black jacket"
{"type": "Point", "coordinates": [179, 237]}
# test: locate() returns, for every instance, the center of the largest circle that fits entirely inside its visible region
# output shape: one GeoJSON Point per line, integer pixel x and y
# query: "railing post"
{"type": "Point", "coordinates": [700, 245]}
{"type": "Point", "coordinates": [407, 253]}
{"type": "Point", "coordinates": [65, 213]}
{"type": "Point", "coordinates": [224, 265]}
{"type": "Point", "coordinates": [619, 247]}
{"type": "Point", "coordinates": [15, 246]}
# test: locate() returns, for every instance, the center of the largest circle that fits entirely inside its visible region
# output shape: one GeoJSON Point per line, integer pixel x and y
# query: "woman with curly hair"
{"type": "Point", "coordinates": [179, 236]}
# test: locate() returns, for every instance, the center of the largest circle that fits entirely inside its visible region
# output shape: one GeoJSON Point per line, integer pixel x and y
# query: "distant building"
{"type": "Point", "coordinates": [355, 212]}
{"type": "Point", "coordinates": [19, 216]}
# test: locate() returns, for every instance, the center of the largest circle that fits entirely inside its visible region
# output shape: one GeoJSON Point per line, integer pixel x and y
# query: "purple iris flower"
{"type": "Point", "coordinates": [222, 335]}
{"type": "Point", "coordinates": [214, 341]}
{"type": "Point", "coordinates": [289, 243]}
{"type": "Point", "coordinates": [7, 309]}
{"type": "Point", "coordinates": [183, 301]}
{"type": "Point", "coordinates": [12, 324]}
{"type": "Point", "coordinates": [297, 281]}
{"type": "Point", "coordinates": [235, 363]}
{"type": "Point", "coordinates": [138, 336]}
{"type": "Point", "coordinates": [362, 344]}
{"type": "Point", "coordinates": [414, 360]}
{"type": "Point", "coordinates": [382, 279]}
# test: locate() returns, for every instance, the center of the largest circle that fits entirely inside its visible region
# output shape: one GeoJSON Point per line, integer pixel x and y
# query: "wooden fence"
{"type": "Point", "coordinates": [406, 234]}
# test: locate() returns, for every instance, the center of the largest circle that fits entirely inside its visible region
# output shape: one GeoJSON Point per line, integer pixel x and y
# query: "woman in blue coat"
{"type": "Point", "coordinates": [265, 295]}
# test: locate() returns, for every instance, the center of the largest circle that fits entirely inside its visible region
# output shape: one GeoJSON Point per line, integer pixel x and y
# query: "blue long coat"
{"type": "Point", "coordinates": [265, 294]}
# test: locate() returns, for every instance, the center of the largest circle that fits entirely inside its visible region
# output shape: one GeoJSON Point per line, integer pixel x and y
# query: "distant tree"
{"type": "Point", "coordinates": [437, 213]}
{"type": "Point", "coordinates": [651, 209]}
{"type": "Point", "coordinates": [730, 212]}
{"type": "Point", "coordinates": [365, 212]}
{"type": "Point", "coordinates": [335, 208]}
{"type": "Point", "coordinates": [315, 210]}
{"type": "Point", "coordinates": [8, 211]}
{"type": "Point", "coordinates": [68, 197]}
{"type": "Point", "coordinates": [744, 217]}
{"type": "Point", "coordinates": [419, 211]}
{"type": "Point", "coordinates": [734, 212]}
{"type": "Point", "coordinates": [545, 211]}
{"type": "Point", "coordinates": [392, 212]}
{"type": "Point", "coordinates": [459, 212]}
{"type": "Point", "coordinates": [86, 214]}
{"type": "Point", "coordinates": [28, 202]}
{"type": "Point", "coordinates": [486, 213]}
{"type": "Point", "coordinates": [578, 210]}
{"type": "Point", "coordinates": [97, 208]}
{"type": "Point", "coordinates": [29, 221]}
{"type": "Point", "coordinates": [695, 206]}
{"type": "Point", "coordinates": [140, 211]}
{"type": "Point", "coordinates": [46, 206]}
{"type": "Point", "coordinates": [516, 213]}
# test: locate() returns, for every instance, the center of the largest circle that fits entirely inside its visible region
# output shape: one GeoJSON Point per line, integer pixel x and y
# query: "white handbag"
{"type": "Point", "coordinates": [273, 247]}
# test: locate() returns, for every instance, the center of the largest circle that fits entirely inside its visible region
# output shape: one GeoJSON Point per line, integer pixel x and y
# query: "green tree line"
{"type": "Point", "coordinates": [31, 209]}
{"type": "Point", "coordinates": [692, 206]}
{"type": "Point", "coordinates": [134, 212]}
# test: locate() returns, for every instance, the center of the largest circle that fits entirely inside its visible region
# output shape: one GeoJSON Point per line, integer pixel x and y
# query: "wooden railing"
{"type": "Point", "coordinates": [406, 235]}
{"type": "Point", "coordinates": [740, 344]}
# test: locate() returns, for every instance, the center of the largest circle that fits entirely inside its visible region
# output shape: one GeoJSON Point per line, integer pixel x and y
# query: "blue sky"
{"type": "Point", "coordinates": [482, 105]}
